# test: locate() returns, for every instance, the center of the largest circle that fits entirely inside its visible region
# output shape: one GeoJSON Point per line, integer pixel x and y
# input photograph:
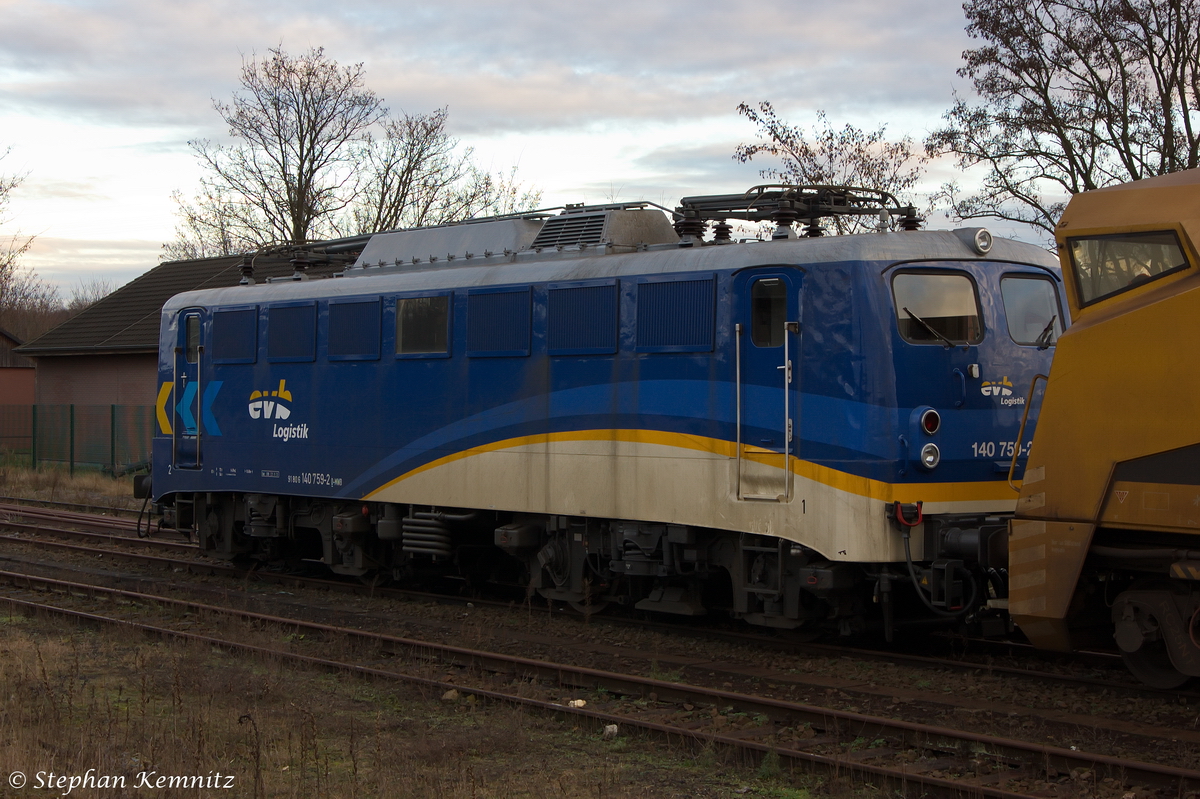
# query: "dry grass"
{"type": "Point", "coordinates": [56, 484]}
{"type": "Point", "coordinates": [73, 699]}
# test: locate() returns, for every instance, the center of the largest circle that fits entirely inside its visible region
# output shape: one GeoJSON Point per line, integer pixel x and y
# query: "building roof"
{"type": "Point", "coordinates": [127, 321]}
{"type": "Point", "coordinates": [9, 342]}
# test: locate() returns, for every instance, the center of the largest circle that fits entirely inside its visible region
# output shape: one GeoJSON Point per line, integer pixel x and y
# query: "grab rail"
{"type": "Point", "coordinates": [1012, 467]}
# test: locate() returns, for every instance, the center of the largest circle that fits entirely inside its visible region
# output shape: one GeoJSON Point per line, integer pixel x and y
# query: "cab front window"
{"type": "Point", "coordinates": [937, 308]}
{"type": "Point", "coordinates": [1032, 310]}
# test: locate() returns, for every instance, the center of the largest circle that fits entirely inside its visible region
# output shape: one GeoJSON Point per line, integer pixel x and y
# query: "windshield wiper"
{"type": "Point", "coordinates": [1043, 341]}
{"type": "Point", "coordinates": [945, 341]}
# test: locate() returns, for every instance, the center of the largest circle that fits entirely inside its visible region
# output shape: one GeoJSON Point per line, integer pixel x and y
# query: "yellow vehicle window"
{"type": "Point", "coordinates": [1108, 265]}
{"type": "Point", "coordinates": [934, 308]}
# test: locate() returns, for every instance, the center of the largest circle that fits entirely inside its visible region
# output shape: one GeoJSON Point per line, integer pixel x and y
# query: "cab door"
{"type": "Point", "coordinates": [185, 422]}
{"type": "Point", "coordinates": [768, 336]}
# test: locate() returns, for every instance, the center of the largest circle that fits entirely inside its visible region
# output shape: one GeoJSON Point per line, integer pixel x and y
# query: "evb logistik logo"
{"type": "Point", "coordinates": [276, 405]}
{"type": "Point", "coordinates": [1001, 389]}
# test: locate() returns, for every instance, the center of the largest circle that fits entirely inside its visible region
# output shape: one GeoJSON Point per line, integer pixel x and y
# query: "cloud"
{"type": "Point", "coordinates": [623, 98]}
{"type": "Point", "coordinates": [66, 261]}
{"type": "Point", "coordinates": [537, 65]}
{"type": "Point", "coordinates": [34, 188]}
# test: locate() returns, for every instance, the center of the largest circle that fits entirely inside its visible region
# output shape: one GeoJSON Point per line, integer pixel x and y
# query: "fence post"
{"type": "Point", "coordinates": [33, 440]}
{"type": "Point", "coordinates": [72, 440]}
{"type": "Point", "coordinates": [112, 437]}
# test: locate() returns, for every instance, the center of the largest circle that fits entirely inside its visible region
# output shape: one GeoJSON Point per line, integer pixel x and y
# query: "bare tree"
{"type": "Point", "coordinates": [87, 293]}
{"type": "Point", "coordinates": [1072, 95]}
{"type": "Point", "coordinates": [314, 155]}
{"type": "Point", "coordinates": [29, 306]}
{"type": "Point", "coordinates": [208, 227]}
{"type": "Point", "coordinates": [290, 166]}
{"type": "Point", "coordinates": [846, 157]}
{"type": "Point", "coordinates": [17, 245]}
{"type": "Point", "coordinates": [415, 174]}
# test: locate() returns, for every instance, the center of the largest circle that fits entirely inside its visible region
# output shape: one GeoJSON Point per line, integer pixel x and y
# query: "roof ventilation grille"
{"type": "Point", "coordinates": [571, 230]}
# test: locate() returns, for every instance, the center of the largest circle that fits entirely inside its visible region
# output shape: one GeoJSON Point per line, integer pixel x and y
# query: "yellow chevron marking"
{"type": "Point", "coordinates": [160, 408]}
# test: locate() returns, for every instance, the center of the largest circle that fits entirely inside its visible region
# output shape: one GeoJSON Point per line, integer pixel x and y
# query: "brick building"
{"type": "Point", "coordinates": [17, 374]}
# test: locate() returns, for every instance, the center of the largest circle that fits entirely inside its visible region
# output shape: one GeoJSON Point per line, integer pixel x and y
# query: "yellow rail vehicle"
{"type": "Point", "coordinates": [1107, 530]}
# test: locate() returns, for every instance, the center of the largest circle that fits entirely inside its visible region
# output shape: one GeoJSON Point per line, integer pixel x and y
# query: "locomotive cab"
{"type": "Point", "coordinates": [968, 337]}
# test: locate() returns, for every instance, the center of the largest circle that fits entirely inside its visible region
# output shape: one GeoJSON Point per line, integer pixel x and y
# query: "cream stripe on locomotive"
{"type": "Point", "coordinates": [683, 479]}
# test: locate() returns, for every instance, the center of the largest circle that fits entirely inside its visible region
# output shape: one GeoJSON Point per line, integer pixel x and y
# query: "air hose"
{"type": "Point", "coordinates": [905, 527]}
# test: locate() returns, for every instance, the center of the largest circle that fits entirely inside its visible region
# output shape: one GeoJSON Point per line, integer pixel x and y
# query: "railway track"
{"type": "Point", "coordinates": [37, 523]}
{"type": "Point", "coordinates": [932, 759]}
{"type": "Point", "coordinates": [104, 510]}
{"type": "Point", "coordinates": [118, 544]}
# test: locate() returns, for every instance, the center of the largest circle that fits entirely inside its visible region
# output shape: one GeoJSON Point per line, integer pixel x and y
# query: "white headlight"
{"type": "Point", "coordinates": [983, 241]}
{"type": "Point", "coordinates": [931, 456]}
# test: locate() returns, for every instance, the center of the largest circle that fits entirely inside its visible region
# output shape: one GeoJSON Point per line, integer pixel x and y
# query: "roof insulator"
{"type": "Point", "coordinates": [690, 228]}
{"type": "Point", "coordinates": [247, 268]}
{"type": "Point", "coordinates": [300, 262]}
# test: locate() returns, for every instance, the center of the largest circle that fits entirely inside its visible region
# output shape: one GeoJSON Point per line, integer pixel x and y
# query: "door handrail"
{"type": "Point", "coordinates": [1012, 467]}
{"type": "Point", "coordinates": [199, 399]}
{"type": "Point", "coordinates": [175, 408]}
{"type": "Point", "coordinates": [737, 383]}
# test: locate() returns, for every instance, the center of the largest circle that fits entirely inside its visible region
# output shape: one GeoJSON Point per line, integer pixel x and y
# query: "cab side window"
{"type": "Point", "coordinates": [768, 312]}
{"type": "Point", "coordinates": [937, 308]}
{"type": "Point", "coordinates": [192, 322]}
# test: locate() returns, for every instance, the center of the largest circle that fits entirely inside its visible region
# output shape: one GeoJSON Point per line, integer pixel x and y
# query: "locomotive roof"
{"type": "Point", "coordinates": [555, 266]}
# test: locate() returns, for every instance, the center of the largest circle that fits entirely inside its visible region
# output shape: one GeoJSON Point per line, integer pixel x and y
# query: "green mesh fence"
{"type": "Point", "coordinates": [116, 437]}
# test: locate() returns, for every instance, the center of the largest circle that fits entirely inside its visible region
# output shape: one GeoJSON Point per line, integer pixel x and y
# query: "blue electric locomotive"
{"type": "Point", "coordinates": [611, 408]}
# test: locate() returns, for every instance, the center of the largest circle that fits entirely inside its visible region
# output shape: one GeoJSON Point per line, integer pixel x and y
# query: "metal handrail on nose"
{"type": "Point", "coordinates": [1012, 467]}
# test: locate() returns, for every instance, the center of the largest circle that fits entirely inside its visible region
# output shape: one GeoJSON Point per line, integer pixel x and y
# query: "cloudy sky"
{"type": "Point", "coordinates": [624, 100]}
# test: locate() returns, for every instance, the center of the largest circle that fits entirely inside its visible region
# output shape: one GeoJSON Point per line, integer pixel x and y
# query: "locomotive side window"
{"type": "Point", "coordinates": [192, 323]}
{"type": "Point", "coordinates": [354, 330]}
{"type": "Point", "coordinates": [422, 325]}
{"type": "Point", "coordinates": [292, 332]}
{"type": "Point", "coordinates": [768, 312]}
{"type": "Point", "coordinates": [1032, 310]}
{"type": "Point", "coordinates": [937, 308]}
{"type": "Point", "coordinates": [1108, 265]}
{"type": "Point", "coordinates": [235, 335]}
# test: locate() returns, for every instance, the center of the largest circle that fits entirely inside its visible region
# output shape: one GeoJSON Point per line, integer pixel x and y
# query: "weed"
{"type": "Point", "coordinates": [770, 767]}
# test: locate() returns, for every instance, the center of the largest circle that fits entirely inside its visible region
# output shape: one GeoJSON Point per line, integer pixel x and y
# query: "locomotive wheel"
{"type": "Point", "coordinates": [1152, 665]}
